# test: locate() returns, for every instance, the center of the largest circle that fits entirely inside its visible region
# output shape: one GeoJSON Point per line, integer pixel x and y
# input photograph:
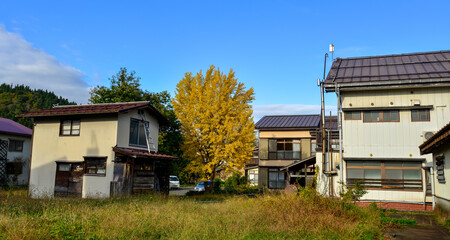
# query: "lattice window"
{"type": "Point", "coordinates": [3, 160]}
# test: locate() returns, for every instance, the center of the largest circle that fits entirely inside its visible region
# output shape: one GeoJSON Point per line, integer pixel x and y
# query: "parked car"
{"type": "Point", "coordinates": [201, 186]}
{"type": "Point", "coordinates": [174, 182]}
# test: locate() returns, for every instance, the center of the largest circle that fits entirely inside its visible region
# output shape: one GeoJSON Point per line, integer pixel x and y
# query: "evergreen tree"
{"type": "Point", "coordinates": [18, 99]}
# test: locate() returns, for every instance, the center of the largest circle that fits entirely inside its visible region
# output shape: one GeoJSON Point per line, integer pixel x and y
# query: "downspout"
{"type": "Point", "coordinates": [339, 109]}
{"type": "Point", "coordinates": [432, 185]}
{"type": "Point", "coordinates": [323, 111]}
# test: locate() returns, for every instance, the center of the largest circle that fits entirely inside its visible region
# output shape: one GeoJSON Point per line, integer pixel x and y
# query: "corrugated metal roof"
{"type": "Point", "coordinates": [331, 122]}
{"type": "Point", "coordinates": [288, 121]}
{"type": "Point", "coordinates": [412, 66]}
{"type": "Point", "coordinates": [10, 127]}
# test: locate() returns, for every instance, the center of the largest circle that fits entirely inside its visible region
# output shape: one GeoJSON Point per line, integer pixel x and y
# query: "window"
{"type": "Point", "coordinates": [334, 143]}
{"type": "Point", "coordinates": [313, 147]}
{"type": "Point", "coordinates": [381, 116]}
{"type": "Point", "coordinates": [255, 154]}
{"type": "Point", "coordinates": [14, 168]}
{"type": "Point", "coordinates": [95, 166]}
{"type": "Point", "coordinates": [419, 115]}
{"type": "Point", "coordinates": [385, 174]}
{"type": "Point", "coordinates": [253, 177]}
{"type": "Point", "coordinates": [276, 178]}
{"type": "Point", "coordinates": [440, 168]}
{"type": "Point", "coordinates": [353, 115]}
{"type": "Point", "coordinates": [15, 145]}
{"type": "Point", "coordinates": [70, 128]}
{"type": "Point", "coordinates": [137, 133]}
{"type": "Point", "coordinates": [288, 149]}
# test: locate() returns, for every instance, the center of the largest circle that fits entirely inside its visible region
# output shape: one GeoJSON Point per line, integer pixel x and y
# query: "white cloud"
{"type": "Point", "coordinates": [21, 63]}
{"type": "Point", "coordinates": [260, 111]}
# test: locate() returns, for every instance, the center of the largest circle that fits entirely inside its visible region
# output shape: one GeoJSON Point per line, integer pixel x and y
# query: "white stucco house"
{"type": "Point", "coordinates": [15, 144]}
{"type": "Point", "coordinates": [97, 150]}
{"type": "Point", "coordinates": [388, 106]}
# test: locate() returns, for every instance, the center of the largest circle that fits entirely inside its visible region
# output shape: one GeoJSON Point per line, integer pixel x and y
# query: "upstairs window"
{"type": "Point", "coordinates": [288, 149]}
{"type": "Point", "coordinates": [420, 115]}
{"type": "Point", "coordinates": [313, 147]}
{"type": "Point", "coordinates": [15, 145]}
{"type": "Point", "coordinates": [353, 115]}
{"type": "Point", "coordinates": [70, 127]}
{"type": "Point", "coordinates": [137, 133]}
{"type": "Point", "coordinates": [382, 116]}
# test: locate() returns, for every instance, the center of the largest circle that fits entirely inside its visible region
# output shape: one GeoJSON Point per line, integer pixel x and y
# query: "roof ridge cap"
{"type": "Point", "coordinates": [394, 55]}
{"type": "Point", "coordinates": [97, 104]}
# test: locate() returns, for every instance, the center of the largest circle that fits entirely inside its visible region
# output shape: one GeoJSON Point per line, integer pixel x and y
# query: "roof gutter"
{"type": "Point", "coordinates": [330, 87]}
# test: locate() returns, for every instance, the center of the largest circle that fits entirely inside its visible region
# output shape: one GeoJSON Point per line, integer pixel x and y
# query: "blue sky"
{"type": "Point", "coordinates": [276, 47]}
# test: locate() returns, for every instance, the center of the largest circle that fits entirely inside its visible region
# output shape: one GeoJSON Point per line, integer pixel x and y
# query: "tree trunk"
{"type": "Point", "coordinates": [209, 189]}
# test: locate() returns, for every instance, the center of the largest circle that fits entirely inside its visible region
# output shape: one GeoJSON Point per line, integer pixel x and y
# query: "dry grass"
{"type": "Point", "coordinates": [303, 216]}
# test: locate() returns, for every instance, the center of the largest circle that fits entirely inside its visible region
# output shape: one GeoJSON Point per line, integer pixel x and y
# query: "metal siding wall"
{"type": "Point", "coordinates": [393, 139]}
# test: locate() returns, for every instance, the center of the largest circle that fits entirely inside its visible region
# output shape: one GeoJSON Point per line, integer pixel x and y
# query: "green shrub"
{"type": "Point", "coordinates": [353, 193]}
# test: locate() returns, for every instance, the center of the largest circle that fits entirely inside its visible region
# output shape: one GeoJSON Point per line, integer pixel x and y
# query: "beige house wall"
{"type": "Point", "coordinates": [97, 137]}
{"type": "Point", "coordinates": [284, 134]}
{"type": "Point", "coordinates": [123, 128]}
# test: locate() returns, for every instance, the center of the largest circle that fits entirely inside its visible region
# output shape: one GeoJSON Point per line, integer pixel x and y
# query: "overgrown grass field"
{"type": "Point", "coordinates": [294, 216]}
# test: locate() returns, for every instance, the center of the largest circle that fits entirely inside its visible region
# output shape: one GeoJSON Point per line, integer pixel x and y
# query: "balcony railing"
{"type": "Point", "coordinates": [395, 184]}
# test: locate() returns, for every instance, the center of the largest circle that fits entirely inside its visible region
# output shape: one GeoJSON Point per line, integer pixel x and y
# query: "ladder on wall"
{"type": "Point", "coordinates": [148, 136]}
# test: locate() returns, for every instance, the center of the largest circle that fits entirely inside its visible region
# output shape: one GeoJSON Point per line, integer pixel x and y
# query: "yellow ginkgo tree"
{"type": "Point", "coordinates": [216, 121]}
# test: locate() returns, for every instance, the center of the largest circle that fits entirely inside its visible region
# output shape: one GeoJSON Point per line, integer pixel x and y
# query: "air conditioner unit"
{"type": "Point", "coordinates": [426, 135]}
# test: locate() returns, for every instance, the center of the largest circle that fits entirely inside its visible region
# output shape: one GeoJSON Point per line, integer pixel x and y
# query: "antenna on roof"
{"type": "Point", "coordinates": [332, 51]}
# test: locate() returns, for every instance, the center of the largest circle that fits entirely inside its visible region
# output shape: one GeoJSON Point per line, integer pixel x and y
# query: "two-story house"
{"type": "Point", "coordinates": [97, 150]}
{"type": "Point", "coordinates": [284, 141]}
{"type": "Point", "coordinates": [389, 105]}
{"type": "Point", "coordinates": [15, 143]}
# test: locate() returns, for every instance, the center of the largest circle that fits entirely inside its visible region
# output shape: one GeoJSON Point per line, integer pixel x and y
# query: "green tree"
{"type": "Point", "coordinates": [125, 87]}
{"type": "Point", "coordinates": [216, 121]}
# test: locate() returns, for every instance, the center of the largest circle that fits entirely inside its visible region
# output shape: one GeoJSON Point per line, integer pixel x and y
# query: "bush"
{"type": "Point", "coordinates": [353, 193]}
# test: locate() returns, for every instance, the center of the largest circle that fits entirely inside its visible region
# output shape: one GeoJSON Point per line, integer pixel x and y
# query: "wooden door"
{"type": "Point", "coordinates": [69, 179]}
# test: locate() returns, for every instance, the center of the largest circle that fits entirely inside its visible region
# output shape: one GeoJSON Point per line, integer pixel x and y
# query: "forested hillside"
{"type": "Point", "coordinates": [18, 99]}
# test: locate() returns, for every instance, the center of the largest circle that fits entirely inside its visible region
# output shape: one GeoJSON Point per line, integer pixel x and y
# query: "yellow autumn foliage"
{"type": "Point", "coordinates": [217, 124]}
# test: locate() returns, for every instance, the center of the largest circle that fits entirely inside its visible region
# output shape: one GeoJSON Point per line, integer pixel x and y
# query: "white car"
{"type": "Point", "coordinates": [174, 182]}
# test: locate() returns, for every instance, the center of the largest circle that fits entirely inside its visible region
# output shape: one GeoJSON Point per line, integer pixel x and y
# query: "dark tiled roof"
{"type": "Point", "coordinates": [94, 109]}
{"type": "Point", "coordinates": [439, 138]}
{"type": "Point", "coordinates": [288, 121]}
{"type": "Point", "coordinates": [401, 67]}
{"type": "Point", "coordinates": [10, 127]}
{"type": "Point", "coordinates": [142, 153]}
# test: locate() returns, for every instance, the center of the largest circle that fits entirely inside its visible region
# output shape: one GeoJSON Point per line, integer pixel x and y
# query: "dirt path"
{"type": "Point", "coordinates": [427, 228]}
